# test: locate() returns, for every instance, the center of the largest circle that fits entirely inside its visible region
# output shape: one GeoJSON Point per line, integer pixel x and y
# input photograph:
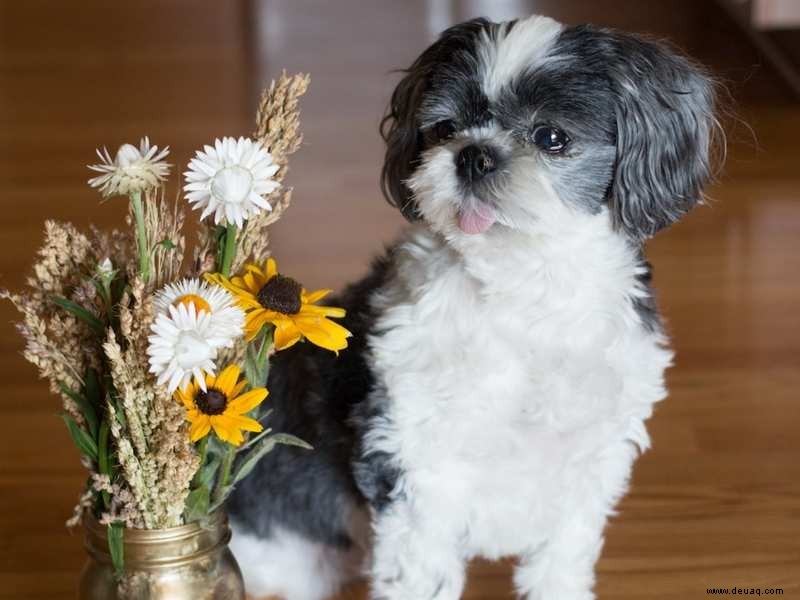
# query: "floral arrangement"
{"type": "Point", "coordinates": [161, 362]}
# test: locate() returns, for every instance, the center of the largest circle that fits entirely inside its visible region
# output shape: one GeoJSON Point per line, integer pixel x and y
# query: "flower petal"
{"type": "Point", "coordinates": [239, 388]}
{"type": "Point", "coordinates": [324, 333]}
{"type": "Point", "coordinates": [226, 380]}
{"type": "Point", "coordinates": [272, 268]}
{"type": "Point", "coordinates": [247, 401]}
{"type": "Point", "coordinates": [286, 334]}
{"type": "Point", "coordinates": [200, 427]}
{"type": "Point", "coordinates": [324, 311]}
{"type": "Point", "coordinates": [246, 423]}
{"type": "Point", "coordinates": [226, 429]}
{"type": "Point", "coordinates": [256, 319]}
{"type": "Point", "coordinates": [313, 297]}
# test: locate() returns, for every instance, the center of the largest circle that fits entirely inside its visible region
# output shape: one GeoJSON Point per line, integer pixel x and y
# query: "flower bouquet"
{"type": "Point", "coordinates": [161, 363]}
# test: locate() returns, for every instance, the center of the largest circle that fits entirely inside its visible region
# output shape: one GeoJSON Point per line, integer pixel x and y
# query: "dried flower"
{"type": "Point", "coordinates": [231, 180]}
{"type": "Point", "coordinates": [105, 269]}
{"type": "Point", "coordinates": [227, 319]}
{"type": "Point", "coordinates": [98, 323]}
{"type": "Point", "coordinates": [132, 170]}
{"type": "Point", "coordinates": [183, 344]}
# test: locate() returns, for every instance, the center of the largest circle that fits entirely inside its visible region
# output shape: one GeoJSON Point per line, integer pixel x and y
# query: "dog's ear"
{"type": "Point", "coordinates": [400, 131]}
{"type": "Point", "coordinates": [666, 133]}
{"type": "Point", "coordinates": [400, 128]}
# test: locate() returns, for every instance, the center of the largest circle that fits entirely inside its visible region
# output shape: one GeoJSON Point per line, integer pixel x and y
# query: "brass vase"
{"type": "Point", "coordinates": [191, 562]}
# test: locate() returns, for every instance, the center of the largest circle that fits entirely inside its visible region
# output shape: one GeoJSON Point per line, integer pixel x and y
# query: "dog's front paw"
{"type": "Point", "coordinates": [558, 591]}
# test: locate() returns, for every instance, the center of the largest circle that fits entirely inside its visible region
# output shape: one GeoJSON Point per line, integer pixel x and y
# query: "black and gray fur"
{"type": "Point", "coordinates": [641, 113]}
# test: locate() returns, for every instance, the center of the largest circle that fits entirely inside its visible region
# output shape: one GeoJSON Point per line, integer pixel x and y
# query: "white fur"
{"type": "Point", "coordinates": [512, 53]}
{"type": "Point", "coordinates": [290, 566]}
{"type": "Point", "coordinates": [519, 378]}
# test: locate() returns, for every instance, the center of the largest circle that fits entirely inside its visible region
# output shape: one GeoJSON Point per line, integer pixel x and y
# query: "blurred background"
{"type": "Point", "coordinates": [716, 503]}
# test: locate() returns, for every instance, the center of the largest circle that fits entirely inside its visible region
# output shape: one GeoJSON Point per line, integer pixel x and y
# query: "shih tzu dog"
{"type": "Point", "coordinates": [507, 350]}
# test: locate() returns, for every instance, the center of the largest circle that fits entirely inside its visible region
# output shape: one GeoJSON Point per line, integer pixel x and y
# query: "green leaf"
{"type": "Point", "coordinates": [115, 547]}
{"type": "Point", "coordinates": [205, 476]}
{"type": "Point", "coordinates": [217, 448]}
{"type": "Point", "coordinates": [102, 291]}
{"type": "Point", "coordinates": [86, 408]}
{"type": "Point", "coordinates": [91, 388]}
{"type": "Point", "coordinates": [167, 243]}
{"type": "Point", "coordinates": [261, 449]}
{"type": "Point", "coordinates": [287, 439]}
{"type": "Point", "coordinates": [83, 440]}
{"type": "Point", "coordinates": [103, 464]}
{"type": "Point", "coordinates": [197, 503]}
{"type": "Point", "coordinates": [219, 234]}
{"type": "Point", "coordinates": [80, 312]}
{"type": "Point", "coordinates": [263, 353]}
{"type": "Point", "coordinates": [256, 364]}
{"type": "Point", "coordinates": [250, 367]}
{"type": "Point", "coordinates": [256, 438]}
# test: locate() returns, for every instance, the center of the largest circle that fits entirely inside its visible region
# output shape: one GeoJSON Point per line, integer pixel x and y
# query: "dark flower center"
{"type": "Point", "coordinates": [281, 294]}
{"type": "Point", "coordinates": [212, 402]}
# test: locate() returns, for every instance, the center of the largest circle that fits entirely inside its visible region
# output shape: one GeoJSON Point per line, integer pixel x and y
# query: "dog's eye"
{"type": "Point", "coordinates": [443, 130]}
{"type": "Point", "coordinates": [549, 139]}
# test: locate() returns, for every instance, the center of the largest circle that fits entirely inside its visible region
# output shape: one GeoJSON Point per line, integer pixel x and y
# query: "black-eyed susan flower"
{"type": "Point", "coordinates": [231, 179]}
{"type": "Point", "coordinates": [220, 405]}
{"type": "Point", "coordinates": [268, 297]}
{"type": "Point", "coordinates": [132, 169]}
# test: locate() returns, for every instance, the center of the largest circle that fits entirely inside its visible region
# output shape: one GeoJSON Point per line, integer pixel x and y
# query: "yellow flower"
{"type": "Point", "coordinates": [221, 407]}
{"type": "Point", "coordinates": [268, 297]}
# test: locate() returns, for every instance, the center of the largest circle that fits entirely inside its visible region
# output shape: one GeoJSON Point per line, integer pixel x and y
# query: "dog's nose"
{"type": "Point", "coordinates": [475, 161]}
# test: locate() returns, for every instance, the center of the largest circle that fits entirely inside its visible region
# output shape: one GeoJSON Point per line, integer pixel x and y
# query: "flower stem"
{"type": "Point", "coordinates": [203, 451]}
{"type": "Point", "coordinates": [103, 463]}
{"type": "Point", "coordinates": [141, 236]}
{"type": "Point", "coordinates": [229, 250]}
{"type": "Point", "coordinates": [224, 475]}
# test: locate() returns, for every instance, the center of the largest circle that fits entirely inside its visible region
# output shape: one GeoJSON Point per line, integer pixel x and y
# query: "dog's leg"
{"type": "Point", "coordinates": [563, 566]}
{"type": "Point", "coordinates": [414, 557]}
{"type": "Point", "coordinates": [288, 566]}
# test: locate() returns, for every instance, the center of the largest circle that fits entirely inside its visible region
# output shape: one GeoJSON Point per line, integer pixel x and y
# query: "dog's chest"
{"type": "Point", "coordinates": [486, 403]}
{"type": "Point", "coordinates": [471, 366]}
{"type": "Point", "coordinates": [494, 396]}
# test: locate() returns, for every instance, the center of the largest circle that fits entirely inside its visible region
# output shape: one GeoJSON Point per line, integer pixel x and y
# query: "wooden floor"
{"type": "Point", "coordinates": [715, 503]}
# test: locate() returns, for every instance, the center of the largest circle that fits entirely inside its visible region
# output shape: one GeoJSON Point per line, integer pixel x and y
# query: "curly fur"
{"type": "Point", "coordinates": [494, 398]}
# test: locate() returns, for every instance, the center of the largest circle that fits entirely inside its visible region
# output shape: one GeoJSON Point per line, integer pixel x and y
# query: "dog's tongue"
{"type": "Point", "coordinates": [476, 219]}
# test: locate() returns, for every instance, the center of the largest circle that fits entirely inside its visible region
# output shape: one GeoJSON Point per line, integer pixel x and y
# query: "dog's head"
{"type": "Point", "coordinates": [515, 125]}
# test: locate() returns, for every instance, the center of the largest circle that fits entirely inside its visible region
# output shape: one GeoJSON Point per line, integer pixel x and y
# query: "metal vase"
{"type": "Point", "coordinates": [191, 562]}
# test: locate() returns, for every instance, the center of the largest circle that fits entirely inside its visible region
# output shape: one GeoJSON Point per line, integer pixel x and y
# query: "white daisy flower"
{"type": "Point", "coordinates": [183, 345]}
{"type": "Point", "coordinates": [132, 170]}
{"type": "Point", "coordinates": [231, 180]}
{"type": "Point", "coordinates": [227, 319]}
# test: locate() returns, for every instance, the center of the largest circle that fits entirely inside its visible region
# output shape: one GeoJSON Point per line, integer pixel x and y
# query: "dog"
{"type": "Point", "coordinates": [507, 350]}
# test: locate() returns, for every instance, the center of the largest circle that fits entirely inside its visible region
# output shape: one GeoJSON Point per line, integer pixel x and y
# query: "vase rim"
{"type": "Point", "coordinates": [167, 547]}
{"type": "Point", "coordinates": [141, 535]}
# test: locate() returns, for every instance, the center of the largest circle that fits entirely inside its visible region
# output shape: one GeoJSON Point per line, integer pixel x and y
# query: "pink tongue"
{"type": "Point", "coordinates": [476, 220]}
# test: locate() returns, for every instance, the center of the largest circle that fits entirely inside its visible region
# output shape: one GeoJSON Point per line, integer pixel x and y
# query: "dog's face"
{"type": "Point", "coordinates": [518, 125]}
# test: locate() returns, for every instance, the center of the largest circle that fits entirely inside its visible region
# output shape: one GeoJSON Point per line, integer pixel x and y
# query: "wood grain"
{"type": "Point", "coordinates": [716, 503]}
